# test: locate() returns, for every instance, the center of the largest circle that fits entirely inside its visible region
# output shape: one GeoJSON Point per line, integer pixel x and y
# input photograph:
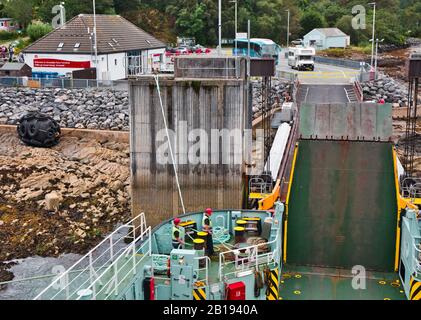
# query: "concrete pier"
{"type": "Point", "coordinates": [208, 104]}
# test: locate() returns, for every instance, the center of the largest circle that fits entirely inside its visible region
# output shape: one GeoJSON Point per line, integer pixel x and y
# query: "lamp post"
{"type": "Point", "coordinates": [288, 28]}
{"type": "Point", "coordinates": [236, 24]}
{"type": "Point", "coordinates": [220, 26]}
{"type": "Point", "coordinates": [374, 31]}
{"type": "Point", "coordinates": [95, 40]}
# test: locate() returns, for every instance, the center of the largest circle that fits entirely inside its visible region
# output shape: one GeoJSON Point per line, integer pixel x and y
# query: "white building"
{"type": "Point", "coordinates": [123, 48]}
{"type": "Point", "coordinates": [325, 38]}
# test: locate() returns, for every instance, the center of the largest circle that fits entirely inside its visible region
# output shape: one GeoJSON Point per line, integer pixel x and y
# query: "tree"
{"type": "Point", "coordinates": [311, 20]}
{"type": "Point", "coordinates": [20, 10]}
{"type": "Point", "coordinates": [359, 36]}
{"type": "Point", "coordinates": [190, 22]}
{"type": "Point", "coordinates": [73, 8]}
{"type": "Point", "coordinates": [37, 30]}
{"type": "Point", "coordinates": [123, 6]}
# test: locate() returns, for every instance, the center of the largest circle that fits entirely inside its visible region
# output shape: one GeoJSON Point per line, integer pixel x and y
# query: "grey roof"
{"type": "Point", "coordinates": [114, 34]}
{"type": "Point", "coordinates": [331, 32]}
{"type": "Point", "coordinates": [12, 66]}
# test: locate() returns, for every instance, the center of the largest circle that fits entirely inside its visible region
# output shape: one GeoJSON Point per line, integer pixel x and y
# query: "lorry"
{"type": "Point", "coordinates": [301, 58]}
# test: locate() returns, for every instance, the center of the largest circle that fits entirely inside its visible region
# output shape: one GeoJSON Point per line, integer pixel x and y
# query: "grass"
{"type": "Point", "coordinates": [347, 52]}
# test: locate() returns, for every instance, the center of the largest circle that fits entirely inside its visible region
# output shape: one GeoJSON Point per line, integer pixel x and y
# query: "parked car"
{"type": "Point", "coordinates": [201, 49]}
{"type": "Point", "coordinates": [183, 50]}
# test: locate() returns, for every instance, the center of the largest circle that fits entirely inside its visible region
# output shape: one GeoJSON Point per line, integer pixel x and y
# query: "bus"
{"type": "Point", "coordinates": [259, 48]}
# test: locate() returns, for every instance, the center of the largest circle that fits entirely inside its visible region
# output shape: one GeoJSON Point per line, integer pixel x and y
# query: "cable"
{"type": "Point", "coordinates": [169, 144]}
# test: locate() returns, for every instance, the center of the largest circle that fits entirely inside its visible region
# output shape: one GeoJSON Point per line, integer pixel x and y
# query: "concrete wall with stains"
{"type": "Point", "coordinates": [198, 104]}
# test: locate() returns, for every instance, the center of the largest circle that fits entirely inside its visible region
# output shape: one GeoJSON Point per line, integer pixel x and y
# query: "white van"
{"type": "Point", "coordinates": [301, 58]}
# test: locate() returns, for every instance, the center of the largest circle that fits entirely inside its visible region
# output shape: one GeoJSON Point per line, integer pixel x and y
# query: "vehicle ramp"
{"type": "Point", "coordinates": [342, 200]}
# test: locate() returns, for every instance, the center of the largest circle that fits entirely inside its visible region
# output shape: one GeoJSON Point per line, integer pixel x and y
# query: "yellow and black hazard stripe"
{"type": "Point", "coordinates": [199, 294]}
{"type": "Point", "coordinates": [272, 291]}
{"type": "Point", "coordinates": [414, 289]}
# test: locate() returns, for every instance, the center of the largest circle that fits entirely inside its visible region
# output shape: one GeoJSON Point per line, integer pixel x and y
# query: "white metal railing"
{"type": "Point", "coordinates": [228, 72]}
{"type": "Point", "coordinates": [417, 257]}
{"type": "Point", "coordinates": [89, 268]}
{"type": "Point", "coordinates": [120, 273]}
{"type": "Point", "coordinates": [251, 260]}
{"type": "Point", "coordinates": [411, 188]}
{"type": "Point", "coordinates": [207, 261]}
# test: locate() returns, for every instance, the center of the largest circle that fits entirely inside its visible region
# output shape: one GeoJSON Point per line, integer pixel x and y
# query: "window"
{"type": "Point", "coordinates": [77, 45]}
{"type": "Point", "coordinates": [60, 45]}
{"type": "Point", "coordinates": [115, 61]}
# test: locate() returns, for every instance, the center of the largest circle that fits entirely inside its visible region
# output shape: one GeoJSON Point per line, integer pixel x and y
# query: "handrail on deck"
{"type": "Point", "coordinates": [253, 252]}
{"type": "Point", "coordinates": [137, 224]}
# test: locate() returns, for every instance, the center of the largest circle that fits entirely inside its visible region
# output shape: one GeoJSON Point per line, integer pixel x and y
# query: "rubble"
{"type": "Point", "coordinates": [73, 108]}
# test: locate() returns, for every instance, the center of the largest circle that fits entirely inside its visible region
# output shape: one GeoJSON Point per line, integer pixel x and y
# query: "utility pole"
{"type": "Point", "coordinates": [220, 26]}
{"type": "Point", "coordinates": [95, 41]}
{"type": "Point", "coordinates": [374, 32]}
{"type": "Point", "coordinates": [248, 49]}
{"type": "Point", "coordinates": [236, 24]}
{"type": "Point", "coordinates": [288, 27]}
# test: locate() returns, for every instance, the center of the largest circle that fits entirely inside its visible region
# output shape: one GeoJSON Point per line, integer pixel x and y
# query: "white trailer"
{"type": "Point", "coordinates": [301, 58]}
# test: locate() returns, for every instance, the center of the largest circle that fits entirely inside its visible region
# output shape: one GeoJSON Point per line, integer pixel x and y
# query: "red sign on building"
{"type": "Point", "coordinates": [58, 63]}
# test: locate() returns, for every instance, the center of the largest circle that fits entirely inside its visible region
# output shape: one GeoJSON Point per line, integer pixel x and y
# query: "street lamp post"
{"type": "Point", "coordinates": [220, 26]}
{"type": "Point", "coordinates": [236, 24]}
{"type": "Point", "coordinates": [374, 31]}
{"type": "Point", "coordinates": [95, 40]}
{"type": "Point", "coordinates": [288, 28]}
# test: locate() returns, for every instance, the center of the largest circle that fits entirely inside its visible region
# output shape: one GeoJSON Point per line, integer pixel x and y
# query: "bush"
{"type": "Point", "coordinates": [334, 52]}
{"type": "Point", "coordinates": [38, 30]}
{"type": "Point", "coordinates": [5, 35]}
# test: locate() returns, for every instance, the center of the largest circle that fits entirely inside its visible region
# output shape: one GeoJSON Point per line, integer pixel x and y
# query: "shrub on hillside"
{"type": "Point", "coordinates": [5, 35]}
{"type": "Point", "coordinates": [36, 31]}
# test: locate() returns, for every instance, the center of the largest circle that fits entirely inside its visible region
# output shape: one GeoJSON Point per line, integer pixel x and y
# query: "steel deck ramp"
{"type": "Point", "coordinates": [342, 208]}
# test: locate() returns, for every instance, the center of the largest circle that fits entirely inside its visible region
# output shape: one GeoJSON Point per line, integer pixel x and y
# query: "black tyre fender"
{"type": "Point", "coordinates": [22, 129]}
{"type": "Point", "coordinates": [33, 128]}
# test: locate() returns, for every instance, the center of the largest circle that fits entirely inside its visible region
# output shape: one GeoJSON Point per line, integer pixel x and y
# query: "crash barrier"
{"type": "Point", "coordinates": [346, 63]}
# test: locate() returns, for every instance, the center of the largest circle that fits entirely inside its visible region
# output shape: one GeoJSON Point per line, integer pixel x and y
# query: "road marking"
{"type": "Point", "coordinates": [305, 99]}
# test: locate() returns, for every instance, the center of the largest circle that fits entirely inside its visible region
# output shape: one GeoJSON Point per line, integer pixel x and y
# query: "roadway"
{"type": "Point", "coordinates": [322, 74]}
{"type": "Point", "coordinates": [338, 93]}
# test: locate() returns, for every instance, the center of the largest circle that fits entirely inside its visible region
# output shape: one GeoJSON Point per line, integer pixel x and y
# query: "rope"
{"type": "Point", "coordinates": [221, 235]}
{"type": "Point", "coordinates": [169, 144]}
{"type": "Point", "coordinates": [160, 263]}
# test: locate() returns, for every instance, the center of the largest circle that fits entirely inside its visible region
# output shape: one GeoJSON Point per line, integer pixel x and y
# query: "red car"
{"type": "Point", "coordinates": [201, 49]}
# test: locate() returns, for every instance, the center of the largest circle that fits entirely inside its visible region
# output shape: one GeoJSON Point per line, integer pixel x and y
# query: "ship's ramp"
{"type": "Point", "coordinates": [342, 204]}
